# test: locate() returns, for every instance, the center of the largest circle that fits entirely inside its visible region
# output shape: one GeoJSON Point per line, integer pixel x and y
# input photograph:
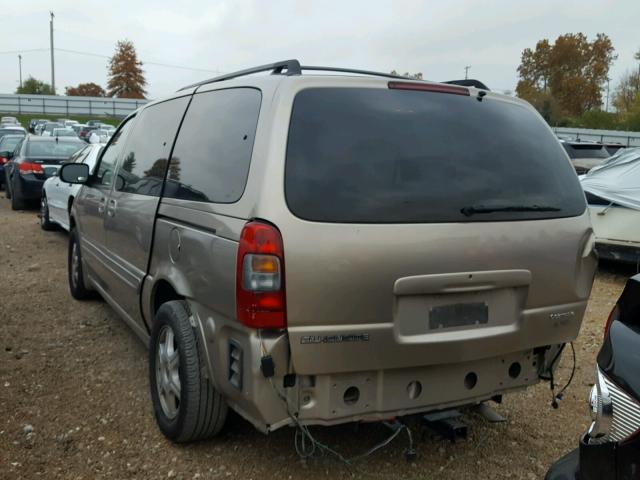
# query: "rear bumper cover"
{"type": "Point", "coordinates": [619, 253]}
{"type": "Point", "coordinates": [607, 461]}
{"type": "Point", "coordinates": [30, 187]}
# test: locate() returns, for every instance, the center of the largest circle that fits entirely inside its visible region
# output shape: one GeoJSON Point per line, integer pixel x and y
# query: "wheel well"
{"type": "Point", "coordinates": [163, 292]}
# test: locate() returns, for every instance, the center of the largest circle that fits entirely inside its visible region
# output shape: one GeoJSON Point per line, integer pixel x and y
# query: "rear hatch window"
{"type": "Point", "coordinates": [53, 151]}
{"type": "Point", "coordinates": [369, 155]}
{"type": "Point", "coordinates": [586, 150]}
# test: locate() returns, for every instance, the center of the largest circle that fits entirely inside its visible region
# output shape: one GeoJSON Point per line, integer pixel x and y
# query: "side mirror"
{"type": "Point", "coordinates": [74, 173]}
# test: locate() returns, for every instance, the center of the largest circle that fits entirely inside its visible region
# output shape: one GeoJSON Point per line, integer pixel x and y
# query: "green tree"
{"type": "Point", "coordinates": [572, 71]}
{"type": "Point", "coordinates": [35, 87]}
{"type": "Point", "coordinates": [126, 77]}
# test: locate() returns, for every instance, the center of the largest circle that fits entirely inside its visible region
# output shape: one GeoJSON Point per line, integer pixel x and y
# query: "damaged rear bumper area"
{"type": "Point", "coordinates": [605, 461]}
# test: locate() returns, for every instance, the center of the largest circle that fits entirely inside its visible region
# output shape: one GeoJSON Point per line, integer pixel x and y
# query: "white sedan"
{"type": "Point", "coordinates": [57, 196]}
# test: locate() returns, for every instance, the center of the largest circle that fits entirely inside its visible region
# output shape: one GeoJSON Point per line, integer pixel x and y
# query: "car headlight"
{"type": "Point", "coordinates": [615, 414]}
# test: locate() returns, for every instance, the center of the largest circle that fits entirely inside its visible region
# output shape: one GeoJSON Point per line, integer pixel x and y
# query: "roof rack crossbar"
{"type": "Point", "coordinates": [292, 67]}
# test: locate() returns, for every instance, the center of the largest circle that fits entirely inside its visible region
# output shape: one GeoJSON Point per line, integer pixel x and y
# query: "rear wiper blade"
{"type": "Point", "coordinates": [473, 209]}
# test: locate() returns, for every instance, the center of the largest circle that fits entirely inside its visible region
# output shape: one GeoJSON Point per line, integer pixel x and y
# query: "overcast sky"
{"type": "Point", "coordinates": [437, 38]}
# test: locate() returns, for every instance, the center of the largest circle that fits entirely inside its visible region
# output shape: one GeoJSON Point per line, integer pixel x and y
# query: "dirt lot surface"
{"type": "Point", "coordinates": [74, 399]}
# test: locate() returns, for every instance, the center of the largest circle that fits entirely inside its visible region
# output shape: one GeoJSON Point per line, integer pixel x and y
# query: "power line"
{"type": "Point", "coordinates": [99, 55]}
{"type": "Point", "coordinates": [13, 52]}
{"type": "Point", "coordinates": [167, 65]}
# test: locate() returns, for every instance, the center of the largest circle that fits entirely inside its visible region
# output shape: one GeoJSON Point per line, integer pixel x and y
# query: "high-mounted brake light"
{"type": "Point", "coordinates": [260, 293]}
{"type": "Point", "coordinates": [615, 313]}
{"type": "Point", "coordinates": [27, 167]}
{"type": "Point", "coordinates": [429, 87]}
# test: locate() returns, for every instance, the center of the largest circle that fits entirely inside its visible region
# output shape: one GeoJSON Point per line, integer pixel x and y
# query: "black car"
{"type": "Point", "coordinates": [35, 122]}
{"type": "Point", "coordinates": [8, 144]}
{"type": "Point", "coordinates": [610, 449]}
{"type": "Point", "coordinates": [34, 160]}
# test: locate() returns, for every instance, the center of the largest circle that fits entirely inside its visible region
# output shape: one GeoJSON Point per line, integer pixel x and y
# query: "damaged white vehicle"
{"type": "Point", "coordinates": [613, 194]}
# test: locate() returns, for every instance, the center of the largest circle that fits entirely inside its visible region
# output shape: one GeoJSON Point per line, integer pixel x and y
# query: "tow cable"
{"type": "Point", "coordinates": [557, 397]}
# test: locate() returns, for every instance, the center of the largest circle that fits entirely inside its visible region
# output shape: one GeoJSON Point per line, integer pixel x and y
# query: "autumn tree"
{"type": "Point", "coordinates": [86, 90]}
{"type": "Point", "coordinates": [35, 87]}
{"type": "Point", "coordinates": [567, 76]}
{"type": "Point", "coordinates": [626, 93]}
{"type": "Point", "coordinates": [126, 77]}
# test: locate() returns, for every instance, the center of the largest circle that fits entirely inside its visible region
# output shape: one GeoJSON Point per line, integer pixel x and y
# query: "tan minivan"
{"type": "Point", "coordinates": [314, 248]}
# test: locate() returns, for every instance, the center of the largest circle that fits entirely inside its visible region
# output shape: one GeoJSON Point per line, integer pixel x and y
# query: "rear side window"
{"type": "Point", "coordinates": [365, 155]}
{"type": "Point", "coordinates": [145, 157]}
{"type": "Point", "coordinates": [211, 158]}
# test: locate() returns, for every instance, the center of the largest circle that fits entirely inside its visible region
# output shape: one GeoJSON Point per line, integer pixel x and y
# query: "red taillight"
{"type": "Point", "coordinates": [429, 87]}
{"type": "Point", "coordinates": [27, 167]}
{"type": "Point", "coordinates": [260, 293]}
{"type": "Point", "coordinates": [3, 160]}
{"type": "Point", "coordinates": [612, 316]}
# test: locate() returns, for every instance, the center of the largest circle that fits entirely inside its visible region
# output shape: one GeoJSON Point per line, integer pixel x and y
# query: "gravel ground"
{"type": "Point", "coordinates": [74, 399]}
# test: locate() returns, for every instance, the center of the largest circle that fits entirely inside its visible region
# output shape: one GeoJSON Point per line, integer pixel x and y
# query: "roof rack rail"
{"type": "Point", "coordinates": [292, 67]}
{"type": "Point", "coordinates": [353, 70]}
{"type": "Point", "coordinates": [470, 82]}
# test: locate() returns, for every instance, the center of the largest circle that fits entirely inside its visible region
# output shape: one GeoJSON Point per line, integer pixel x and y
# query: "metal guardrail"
{"type": "Point", "coordinates": [68, 106]}
{"type": "Point", "coordinates": [628, 139]}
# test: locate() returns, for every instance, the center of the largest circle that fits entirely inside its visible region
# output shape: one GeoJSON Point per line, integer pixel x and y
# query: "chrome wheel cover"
{"type": "Point", "coordinates": [167, 372]}
{"type": "Point", "coordinates": [43, 209]}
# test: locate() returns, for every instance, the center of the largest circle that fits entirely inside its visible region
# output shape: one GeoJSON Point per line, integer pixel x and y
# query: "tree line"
{"type": "Point", "coordinates": [125, 79]}
{"type": "Point", "coordinates": [566, 81]}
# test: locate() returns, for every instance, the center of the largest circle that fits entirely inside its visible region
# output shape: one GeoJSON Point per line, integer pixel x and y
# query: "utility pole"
{"type": "Point", "coordinates": [466, 72]}
{"type": "Point", "coordinates": [20, 68]}
{"type": "Point", "coordinates": [607, 107]}
{"type": "Point", "coordinates": [53, 70]}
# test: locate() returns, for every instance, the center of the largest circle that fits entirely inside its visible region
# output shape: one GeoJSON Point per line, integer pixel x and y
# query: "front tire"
{"type": "Point", "coordinates": [7, 186]}
{"type": "Point", "coordinates": [45, 222]}
{"type": "Point", "coordinates": [78, 289]}
{"type": "Point", "coordinates": [187, 407]}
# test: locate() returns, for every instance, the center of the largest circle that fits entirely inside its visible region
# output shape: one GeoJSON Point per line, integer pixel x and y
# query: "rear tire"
{"type": "Point", "coordinates": [17, 203]}
{"type": "Point", "coordinates": [45, 222]}
{"type": "Point", "coordinates": [187, 407]}
{"type": "Point", "coordinates": [78, 289]}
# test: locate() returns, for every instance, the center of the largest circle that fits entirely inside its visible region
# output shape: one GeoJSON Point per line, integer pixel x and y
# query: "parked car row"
{"type": "Point", "coordinates": [294, 248]}
{"type": "Point", "coordinates": [65, 127]}
{"type": "Point", "coordinates": [30, 162]}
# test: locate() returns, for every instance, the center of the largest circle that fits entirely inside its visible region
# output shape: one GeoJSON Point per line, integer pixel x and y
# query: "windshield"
{"type": "Point", "coordinates": [63, 132]}
{"type": "Point", "coordinates": [9, 131]}
{"type": "Point", "coordinates": [53, 149]}
{"type": "Point", "coordinates": [8, 143]}
{"type": "Point", "coordinates": [365, 155]}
